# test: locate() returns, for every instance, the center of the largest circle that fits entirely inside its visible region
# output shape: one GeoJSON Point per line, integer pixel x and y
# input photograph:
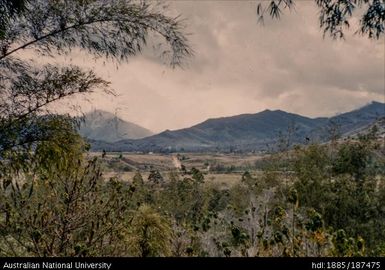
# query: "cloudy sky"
{"type": "Point", "coordinates": [243, 67]}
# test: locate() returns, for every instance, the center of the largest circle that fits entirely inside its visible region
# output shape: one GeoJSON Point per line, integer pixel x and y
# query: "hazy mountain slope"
{"type": "Point", "coordinates": [250, 132]}
{"type": "Point", "coordinates": [242, 132]}
{"type": "Point", "coordinates": [105, 126]}
{"type": "Point", "coordinates": [380, 127]}
{"type": "Point", "coordinates": [357, 119]}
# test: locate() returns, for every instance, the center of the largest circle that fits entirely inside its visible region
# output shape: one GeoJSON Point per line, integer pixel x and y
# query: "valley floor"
{"type": "Point", "coordinates": [224, 169]}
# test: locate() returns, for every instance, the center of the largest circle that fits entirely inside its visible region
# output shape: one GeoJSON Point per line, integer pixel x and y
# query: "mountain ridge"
{"type": "Point", "coordinates": [108, 127]}
{"type": "Point", "coordinates": [249, 132]}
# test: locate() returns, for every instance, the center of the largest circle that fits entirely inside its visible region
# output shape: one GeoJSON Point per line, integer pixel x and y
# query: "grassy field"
{"type": "Point", "coordinates": [225, 169]}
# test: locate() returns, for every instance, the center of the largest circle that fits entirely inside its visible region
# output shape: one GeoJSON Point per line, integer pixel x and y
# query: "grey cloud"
{"type": "Point", "coordinates": [242, 67]}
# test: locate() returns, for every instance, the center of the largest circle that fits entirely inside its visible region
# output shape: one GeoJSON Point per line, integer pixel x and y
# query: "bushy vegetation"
{"type": "Point", "coordinates": [314, 200]}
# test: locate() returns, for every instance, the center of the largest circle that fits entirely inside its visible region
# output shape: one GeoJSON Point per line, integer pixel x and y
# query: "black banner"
{"type": "Point", "coordinates": [195, 263]}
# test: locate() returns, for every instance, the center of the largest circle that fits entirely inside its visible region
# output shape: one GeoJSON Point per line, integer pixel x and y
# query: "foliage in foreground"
{"type": "Point", "coordinates": [324, 201]}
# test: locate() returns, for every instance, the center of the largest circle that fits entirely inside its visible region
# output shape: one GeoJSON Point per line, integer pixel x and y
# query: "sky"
{"type": "Point", "coordinates": [240, 66]}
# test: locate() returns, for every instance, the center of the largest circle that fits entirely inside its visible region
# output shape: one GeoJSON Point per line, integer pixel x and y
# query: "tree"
{"type": "Point", "coordinates": [8, 9]}
{"type": "Point", "coordinates": [115, 29]}
{"type": "Point", "coordinates": [311, 167]}
{"type": "Point", "coordinates": [155, 177]}
{"type": "Point", "coordinates": [61, 206]}
{"type": "Point", "coordinates": [137, 180]}
{"type": "Point", "coordinates": [336, 15]}
{"type": "Point", "coordinates": [197, 175]}
{"type": "Point", "coordinates": [150, 235]}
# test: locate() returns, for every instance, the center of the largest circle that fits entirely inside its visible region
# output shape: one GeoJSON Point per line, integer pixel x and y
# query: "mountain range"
{"type": "Point", "coordinates": [248, 132]}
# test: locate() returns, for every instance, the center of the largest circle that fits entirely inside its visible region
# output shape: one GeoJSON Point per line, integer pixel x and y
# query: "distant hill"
{"type": "Point", "coordinates": [251, 132]}
{"type": "Point", "coordinates": [380, 128]}
{"type": "Point", "coordinates": [355, 120]}
{"type": "Point", "coordinates": [104, 126]}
